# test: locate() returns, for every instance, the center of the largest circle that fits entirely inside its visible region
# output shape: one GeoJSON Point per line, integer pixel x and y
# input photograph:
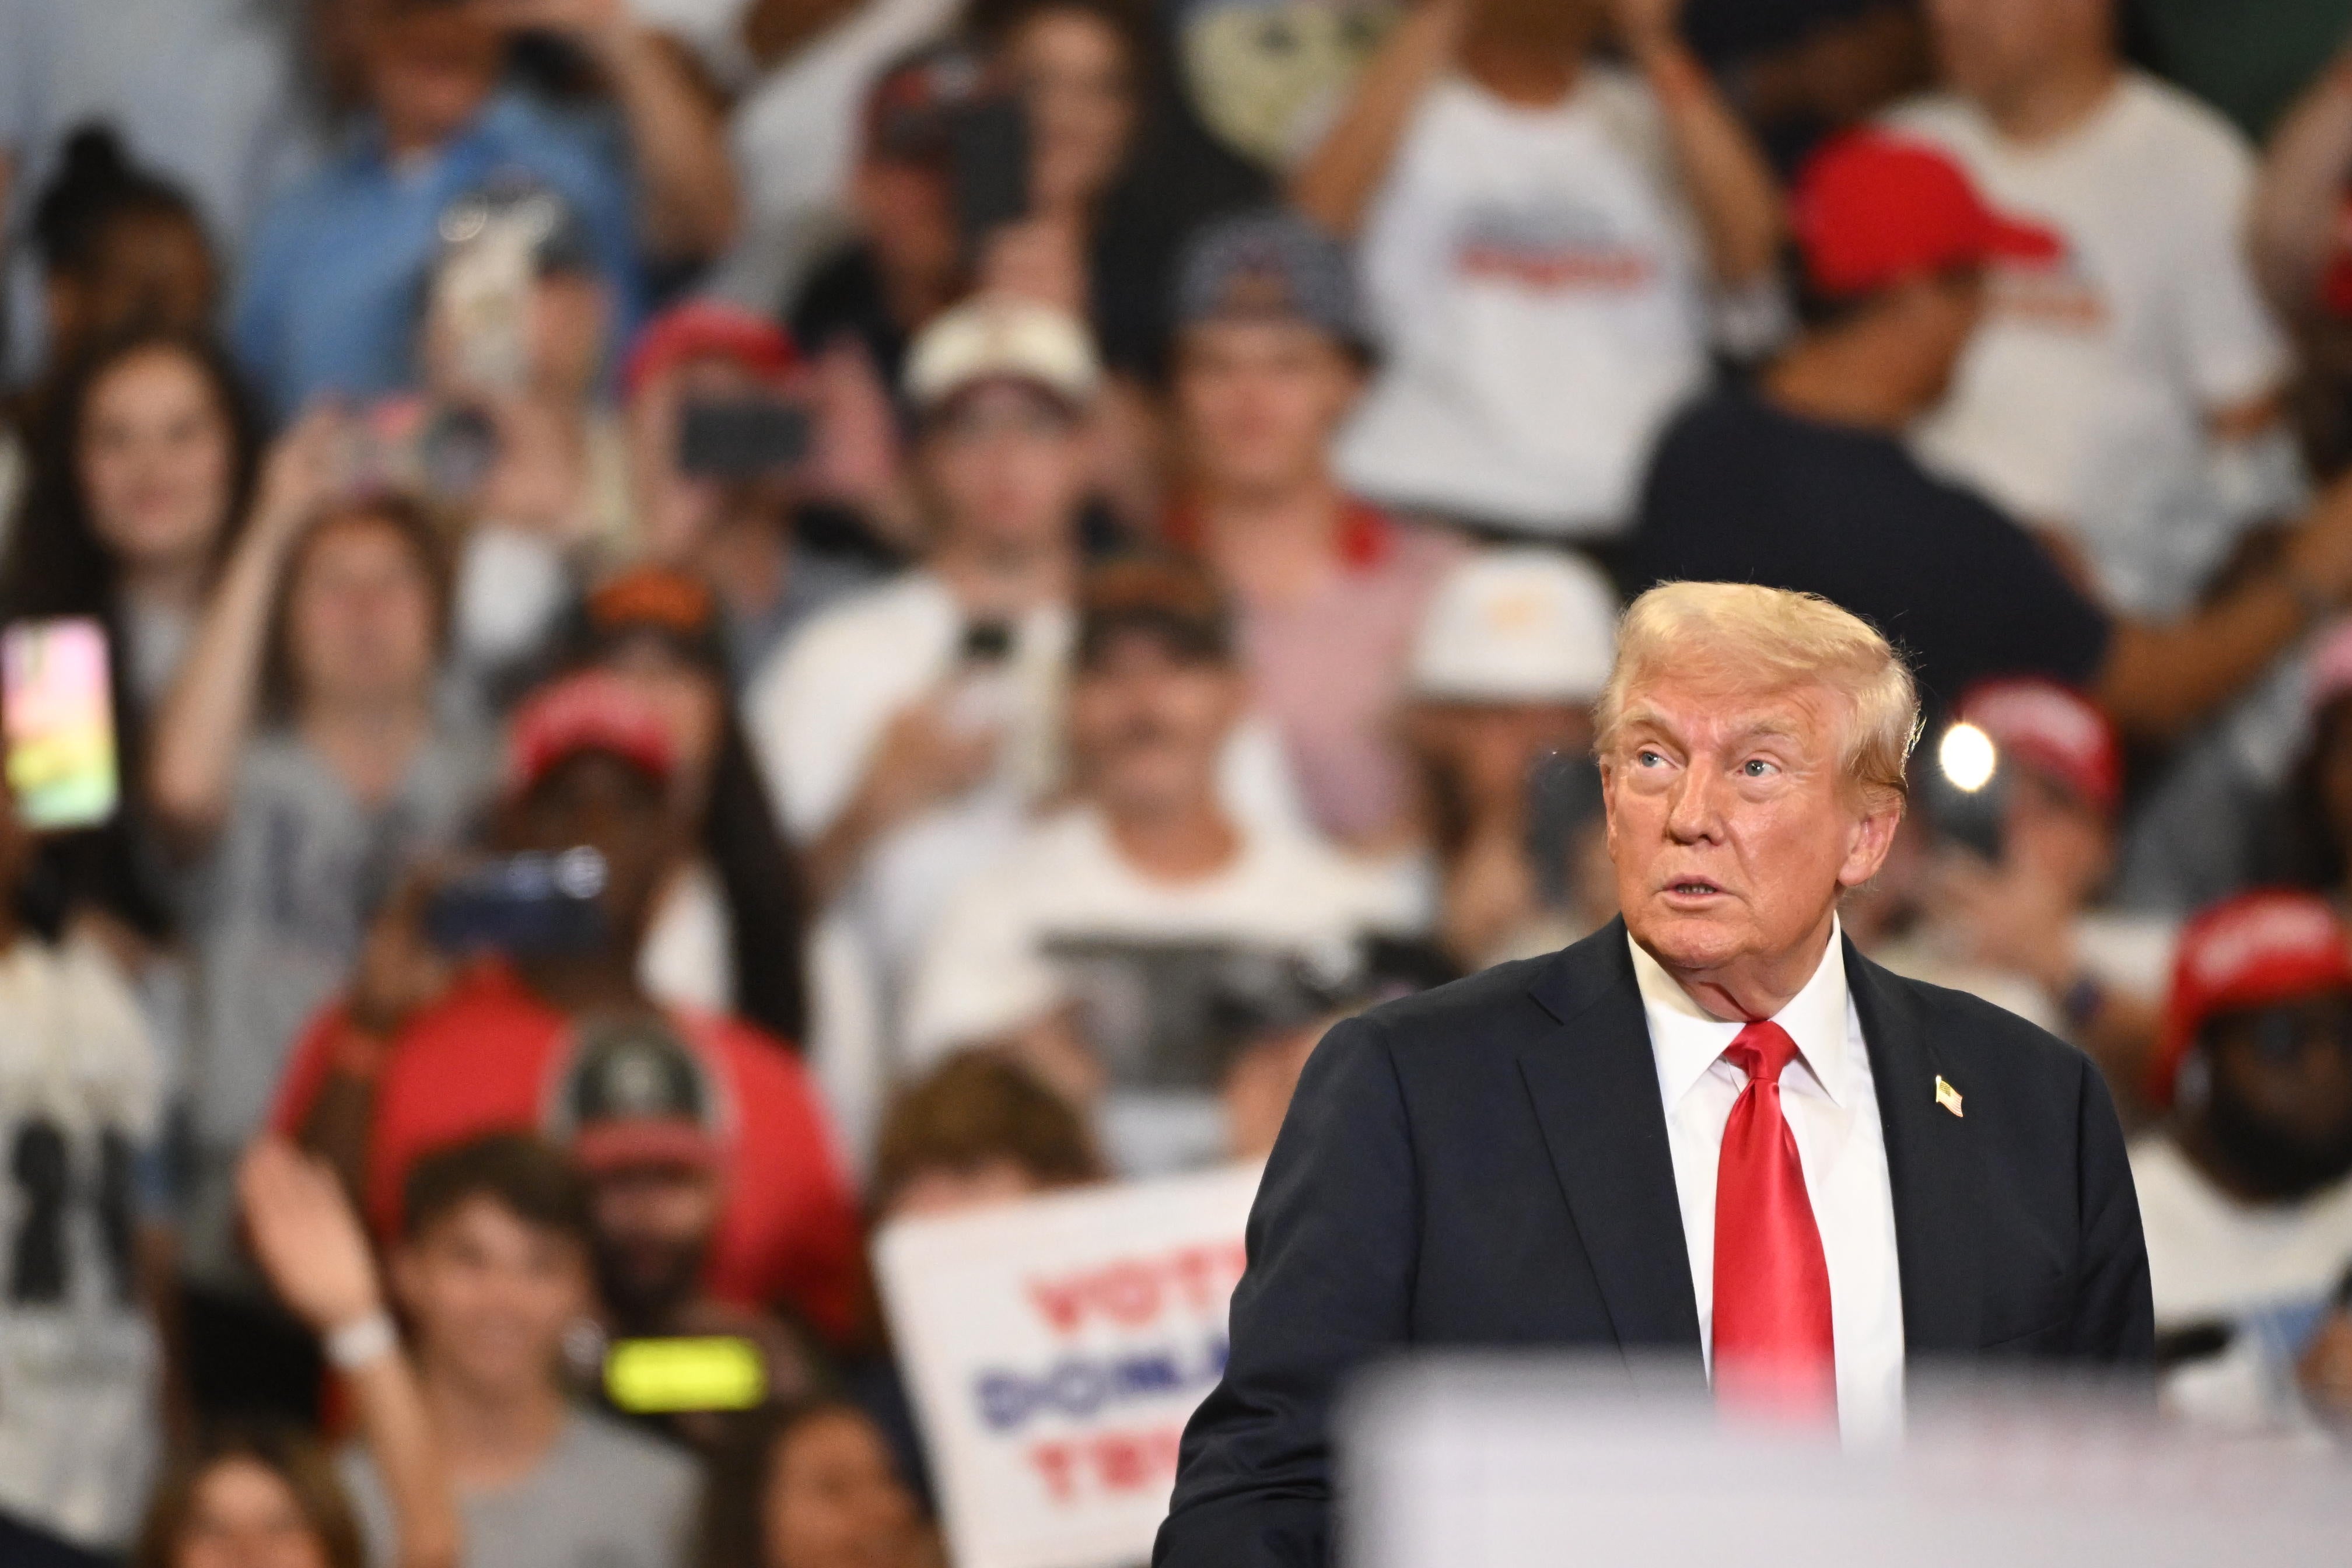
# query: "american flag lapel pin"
{"type": "Point", "coordinates": [1947, 1096]}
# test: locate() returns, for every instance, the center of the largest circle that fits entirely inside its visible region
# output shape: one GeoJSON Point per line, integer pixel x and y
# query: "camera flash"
{"type": "Point", "coordinates": [1966, 755]}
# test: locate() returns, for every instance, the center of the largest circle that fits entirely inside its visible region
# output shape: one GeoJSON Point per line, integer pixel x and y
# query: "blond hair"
{"type": "Point", "coordinates": [1768, 639]}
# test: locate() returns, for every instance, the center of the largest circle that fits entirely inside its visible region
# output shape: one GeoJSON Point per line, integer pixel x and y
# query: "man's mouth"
{"type": "Point", "coordinates": [1693, 888]}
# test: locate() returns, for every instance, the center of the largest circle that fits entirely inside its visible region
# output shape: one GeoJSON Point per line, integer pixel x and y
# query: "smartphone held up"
{"type": "Point", "coordinates": [59, 706]}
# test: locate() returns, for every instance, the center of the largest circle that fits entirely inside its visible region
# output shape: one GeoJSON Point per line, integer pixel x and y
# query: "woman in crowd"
{"type": "Point", "coordinates": [1120, 168]}
{"type": "Point", "coordinates": [299, 765]}
{"type": "Point", "coordinates": [813, 1486]}
{"type": "Point", "coordinates": [117, 247]}
{"type": "Point", "coordinates": [139, 486]}
{"type": "Point", "coordinates": [252, 1497]}
{"type": "Point", "coordinates": [729, 935]}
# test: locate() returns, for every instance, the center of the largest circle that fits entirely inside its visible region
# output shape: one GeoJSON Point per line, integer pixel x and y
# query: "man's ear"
{"type": "Point", "coordinates": [1872, 837]}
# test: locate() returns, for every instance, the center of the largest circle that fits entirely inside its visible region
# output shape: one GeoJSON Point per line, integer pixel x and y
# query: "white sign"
{"type": "Point", "coordinates": [1526, 1462]}
{"type": "Point", "coordinates": [1055, 1348]}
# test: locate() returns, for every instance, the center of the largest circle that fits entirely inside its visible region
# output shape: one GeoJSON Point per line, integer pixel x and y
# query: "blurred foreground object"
{"type": "Point", "coordinates": [1495, 1463]}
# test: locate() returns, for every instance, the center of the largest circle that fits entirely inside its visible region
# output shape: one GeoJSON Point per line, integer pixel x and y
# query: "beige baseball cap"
{"type": "Point", "coordinates": [1517, 625]}
{"type": "Point", "coordinates": [990, 339]}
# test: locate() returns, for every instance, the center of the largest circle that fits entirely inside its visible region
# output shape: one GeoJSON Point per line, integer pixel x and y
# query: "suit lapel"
{"type": "Point", "coordinates": [1595, 1087]}
{"type": "Point", "coordinates": [1931, 1164]}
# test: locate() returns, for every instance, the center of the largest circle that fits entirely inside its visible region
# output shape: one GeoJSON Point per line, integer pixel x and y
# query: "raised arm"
{"type": "Point", "coordinates": [2157, 680]}
{"type": "Point", "coordinates": [687, 195]}
{"type": "Point", "coordinates": [310, 1246]}
{"type": "Point", "coordinates": [211, 709]}
{"type": "Point", "coordinates": [1332, 1251]}
{"type": "Point", "coordinates": [1337, 183]}
{"type": "Point", "coordinates": [1731, 186]}
{"type": "Point", "coordinates": [2299, 198]}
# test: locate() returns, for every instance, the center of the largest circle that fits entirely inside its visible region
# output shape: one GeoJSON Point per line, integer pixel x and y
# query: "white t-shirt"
{"type": "Point", "coordinates": [1536, 280]}
{"type": "Point", "coordinates": [816, 714]}
{"type": "Point", "coordinates": [81, 1100]}
{"type": "Point", "coordinates": [2209, 1256]}
{"type": "Point", "coordinates": [989, 965]}
{"type": "Point", "coordinates": [1065, 919]}
{"type": "Point", "coordinates": [794, 130]}
{"type": "Point", "coordinates": [2082, 402]}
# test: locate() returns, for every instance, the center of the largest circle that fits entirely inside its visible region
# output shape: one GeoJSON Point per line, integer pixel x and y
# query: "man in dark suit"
{"type": "Point", "coordinates": [1712, 1131]}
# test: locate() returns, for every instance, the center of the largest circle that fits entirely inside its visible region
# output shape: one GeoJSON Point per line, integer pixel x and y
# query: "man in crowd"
{"type": "Point", "coordinates": [330, 293]}
{"type": "Point", "coordinates": [82, 1110]}
{"type": "Point", "coordinates": [425, 1051]}
{"type": "Point", "coordinates": [904, 731]}
{"type": "Point", "coordinates": [977, 1128]}
{"type": "Point", "coordinates": [1544, 239]}
{"type": "Point", "coordinates": [1111, 917]}
{"type": "Point", "coordinates": [2027, 896]}
{"type": "Point", "coordinates": [1710, 1133]}
{"type": "Point", "coordinates": [907, 263]}
{"type": "Point", "coordinates": [641, 1119]}
{"type": "Point", "coordinates": [1505, 667]}
{"type": "Point", "coordinates": [741, 515]}
{"type": "Point", "coordinates": [1804, 483]}
{"type": "Point", "coordinates": [491, 1272]}
{"type": "Point", "coordinates": [2246, 1192]}
{"type": "Point", "coordinates": [1270, 352]}
{"type": "Point", "coordinates": [2124, 391]}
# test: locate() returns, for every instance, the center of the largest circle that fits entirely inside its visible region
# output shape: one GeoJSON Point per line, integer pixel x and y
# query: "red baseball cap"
{"type": "Point", "coordinates": [2250, 950]}
{"type": "Point", "coordinates": [707, 329]}
{"type": "Point", "coordinates": [593, 710]}
{"type": "Point", "coordinates": [2054, 729]}
{"type": "Point", "coordinates": [1871, 210]}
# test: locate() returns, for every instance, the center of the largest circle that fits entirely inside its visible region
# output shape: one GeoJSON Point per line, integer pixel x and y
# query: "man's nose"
{"type": "Point", "coordinates": [1693, 809]}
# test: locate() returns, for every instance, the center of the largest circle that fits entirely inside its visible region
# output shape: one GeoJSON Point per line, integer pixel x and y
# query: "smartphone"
{"type": "Point", "coordinates": [1970, 812]}
{"type": "Point", "coordinates": [60, 709]}
{"type": "Point", "coordinates": [482, 286]}
{"type": "Point", "coordinates": [741, 437]}
{"type": "Point", "coordinates": [985, 694]}
{"type": "Point", "coordinates": [677, 1376]}
{"type": "Point", "coordinates": [988, 166]}
{"type": "Point", "coordinates": [529, 905]}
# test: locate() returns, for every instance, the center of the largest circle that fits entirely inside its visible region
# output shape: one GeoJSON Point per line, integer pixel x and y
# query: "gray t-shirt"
{"type": "Point", "coordinates": [606, 1496]}
{"type": "Point", "coordinates": [278, 913]}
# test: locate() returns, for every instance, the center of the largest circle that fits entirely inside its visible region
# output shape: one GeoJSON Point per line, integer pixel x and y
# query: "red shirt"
{"type": "Point", "coordinates": [490, 1057]}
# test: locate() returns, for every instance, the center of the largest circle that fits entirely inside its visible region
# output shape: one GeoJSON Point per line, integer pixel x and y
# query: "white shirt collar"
{"type": "Point", "coordinates": [1687, 1040]}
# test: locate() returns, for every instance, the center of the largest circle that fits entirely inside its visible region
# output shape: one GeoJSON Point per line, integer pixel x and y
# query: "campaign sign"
{"type": "Point", "coordinates": [1055, 1348]}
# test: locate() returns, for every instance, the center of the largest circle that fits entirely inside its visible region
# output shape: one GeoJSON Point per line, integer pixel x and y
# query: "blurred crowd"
{"type": "Point", "coordinates": [722, 621]}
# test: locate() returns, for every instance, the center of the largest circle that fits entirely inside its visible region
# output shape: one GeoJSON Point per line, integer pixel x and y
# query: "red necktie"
{"type": "Point", "coordinates": [1772, 1341]}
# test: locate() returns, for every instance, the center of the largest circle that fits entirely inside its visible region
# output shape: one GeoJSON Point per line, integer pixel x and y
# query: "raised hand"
{"type": "Point", "coordinates": [308, 1242]}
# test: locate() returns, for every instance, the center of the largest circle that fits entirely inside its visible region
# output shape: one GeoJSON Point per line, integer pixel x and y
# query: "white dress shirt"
{"type": "Point", "coordinates": [1831, 1107]}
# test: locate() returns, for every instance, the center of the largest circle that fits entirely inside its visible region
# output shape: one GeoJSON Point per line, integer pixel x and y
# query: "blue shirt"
{"type": "Point", "coordinates": [333, 294]}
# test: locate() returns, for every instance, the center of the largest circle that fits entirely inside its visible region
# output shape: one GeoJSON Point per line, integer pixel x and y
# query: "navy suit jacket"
{"type": "Point", "coordinates": [1485, 1165]}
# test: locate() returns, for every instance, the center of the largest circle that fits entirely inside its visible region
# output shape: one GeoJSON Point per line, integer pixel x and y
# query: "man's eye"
{"type": "Point", "coordinates": [1756, 767]}
{"type": "Point", "coordinates": [1649, 759]}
